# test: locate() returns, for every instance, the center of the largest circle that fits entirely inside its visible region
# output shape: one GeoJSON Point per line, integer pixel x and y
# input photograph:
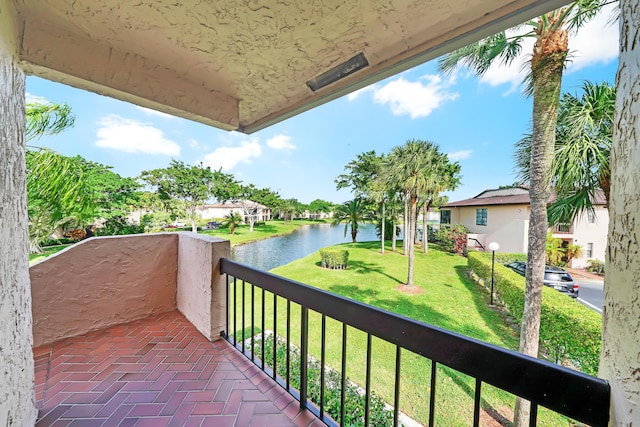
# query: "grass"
{"type": "Point", "coordinates": [46, 251]}
{"type": "Point", "coordinates": [272, 228]}
{"type": "Point", "coordinates": [450, 300]}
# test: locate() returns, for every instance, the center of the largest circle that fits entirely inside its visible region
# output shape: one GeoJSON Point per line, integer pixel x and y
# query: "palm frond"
{"type": "Point", "coordinates": [479, 56]}
{"type": "Point", "coordinates": [47, 119]}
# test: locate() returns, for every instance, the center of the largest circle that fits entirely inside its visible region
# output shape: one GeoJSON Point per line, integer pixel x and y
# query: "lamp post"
{"type": "Point", "coordinates": [493, 247]}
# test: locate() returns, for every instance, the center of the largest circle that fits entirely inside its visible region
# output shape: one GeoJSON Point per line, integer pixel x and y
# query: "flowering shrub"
{"type": "Point", "coordinates": [77, 234]}
{"type": "Point", "coordinates": [453, 238]}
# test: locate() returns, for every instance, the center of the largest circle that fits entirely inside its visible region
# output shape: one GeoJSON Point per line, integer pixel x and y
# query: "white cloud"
{"type": "Point", "coordinates": [154, 113]}
{"type": "Point", "coordinates": [416, 99]}
{"type": "Point", "coordinates": [459, 155]}
{"type": "Point", "coordinates": [228, 157]}
{"type": "Point", "coordinates": [281, 142]}
{"type": "Point", "coordinates": [34, 99]}
{"type": "Point", "coordinates": [132, 136]}
{"type": "Point", "coordinates": [353, 95]}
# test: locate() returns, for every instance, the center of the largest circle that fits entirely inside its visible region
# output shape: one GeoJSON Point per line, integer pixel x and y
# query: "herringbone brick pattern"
{"type": "Point", "coordinates": [158, 371]}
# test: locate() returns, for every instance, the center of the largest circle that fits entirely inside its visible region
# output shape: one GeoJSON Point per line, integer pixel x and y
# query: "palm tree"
{"type": "Point", "coordinates": [351, 213]}
{"type": "Point", "coordinates": [583, 145]}
{"type": "Point", "coordinates": [418, 168]}
{"type": "Point", "coordinates": [56, 191]}
{"type": "Point", "coordinates": [551, 34]}
{"type": "Point", "coordinates": [233, 219]}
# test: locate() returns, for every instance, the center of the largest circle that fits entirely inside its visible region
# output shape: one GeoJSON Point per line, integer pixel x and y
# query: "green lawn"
{"type": "Point", "coordinates": [46, 251]}
{"type": "Point", "coordinates": [449, 300]}
{"type": "Point", "coordinates": [270, 229]}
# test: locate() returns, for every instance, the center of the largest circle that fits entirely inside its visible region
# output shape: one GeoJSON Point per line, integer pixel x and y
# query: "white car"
{"type": "Point", "coordinates": [178, 224]}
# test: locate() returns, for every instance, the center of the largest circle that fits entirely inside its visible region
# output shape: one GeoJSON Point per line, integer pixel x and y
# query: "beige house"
{"type": "Point", "coordinates": [245, 207]}
{"type": "Point", "coordinates": [502, 216]}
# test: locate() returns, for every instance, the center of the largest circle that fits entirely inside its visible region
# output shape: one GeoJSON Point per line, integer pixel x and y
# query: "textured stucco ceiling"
{"type": "Point", "coordinates": [244, 64]}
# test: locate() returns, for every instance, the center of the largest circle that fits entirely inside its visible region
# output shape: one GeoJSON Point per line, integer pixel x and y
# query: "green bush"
{"type": "Point", "coordinates": [336, 259]}
{"type": "Point", "coordinates": [595, 266]}
{"type": "Point", "coordinates": [379, 416]}
{"type": "Point", "coordinates": [569, 332]}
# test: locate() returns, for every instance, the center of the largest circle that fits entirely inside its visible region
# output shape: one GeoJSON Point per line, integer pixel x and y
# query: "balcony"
{"type": "Point", "coordinates": [127, 332]}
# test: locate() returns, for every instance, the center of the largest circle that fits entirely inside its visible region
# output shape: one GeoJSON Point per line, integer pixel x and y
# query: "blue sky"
{"type": "Point", "coordinates": [475, 121]}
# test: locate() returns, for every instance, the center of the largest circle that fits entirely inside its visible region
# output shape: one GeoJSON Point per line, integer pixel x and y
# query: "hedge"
{"type": "Point", "coordinates": [379, 414]}
{"type": "Point", "coordinates": [569, 331]}
{"type": "Point", "coordinates": [336, 259]}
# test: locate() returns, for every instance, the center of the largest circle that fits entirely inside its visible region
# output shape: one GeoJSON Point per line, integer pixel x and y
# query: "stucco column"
{"type": "Point", "coordinates": [620, 354]}
{"type": "Point", "coordinates": [201, 293]}
{"type": "Point", "coordinates": [17, 390]}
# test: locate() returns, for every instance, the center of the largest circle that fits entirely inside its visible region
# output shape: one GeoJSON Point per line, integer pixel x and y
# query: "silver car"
{"type": "Point", "coordinates": [554, 277]}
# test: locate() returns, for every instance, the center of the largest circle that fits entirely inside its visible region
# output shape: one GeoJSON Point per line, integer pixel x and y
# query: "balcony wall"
{"type": "Point", "coordinates": [106, 281]}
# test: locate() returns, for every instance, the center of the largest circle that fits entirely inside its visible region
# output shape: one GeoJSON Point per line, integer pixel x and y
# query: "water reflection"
{"type": "Point", "coordinates": [276, 251]}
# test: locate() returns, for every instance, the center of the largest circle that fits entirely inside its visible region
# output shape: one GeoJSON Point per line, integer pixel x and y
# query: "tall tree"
{"type": "Point", "coordinates": [418, 168]}
{"type": "Point", "coordinates": [363, 176]}
{"type": "Point", "coordinates": [351, 213]}
{"type": "Point", "coordinates": [190, 184]}
{"type": "Point", "coordinates": [551, 34]}
{"type": "Point", "coordinates": [621, 310]}
{"type": "Point", "coordinates": [583, 145]}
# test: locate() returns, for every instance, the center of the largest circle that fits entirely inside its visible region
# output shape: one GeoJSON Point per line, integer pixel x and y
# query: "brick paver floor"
{"type": "Point", "coordinates": [158, 371]}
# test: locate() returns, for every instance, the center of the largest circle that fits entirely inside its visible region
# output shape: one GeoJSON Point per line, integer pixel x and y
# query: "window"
{"type": "Point", "coordinates": [591, 217]}
{"type": "Point", "coordinates": [445, 217]}
{"type": "Point", "coordinates": [589, 250]}
{"type": "Point", "coordinates": [481, 216]}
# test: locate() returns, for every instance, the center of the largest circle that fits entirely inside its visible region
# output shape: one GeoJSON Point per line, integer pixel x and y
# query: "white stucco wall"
{"type": "Point", "coordinates": [17, 392]}
{"type": "Point", "coordinates": [585, 232]}
{"type": "Point", "coordinates": [201, 294]}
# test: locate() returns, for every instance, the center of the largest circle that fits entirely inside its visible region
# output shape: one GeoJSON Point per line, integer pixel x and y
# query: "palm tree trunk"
{"type": "Point", "coordinates": [425, 231]}
{"type": "Point", "coordinates": [393, 235]}
{"type": "Point", "coordinates": [382, 229]}
{"type": "Point", "coordinates": [406, 226]}
{"type": "Point", "coordinates": [411, 246]}
{"type": "Point", "coordinates": [550, 52]}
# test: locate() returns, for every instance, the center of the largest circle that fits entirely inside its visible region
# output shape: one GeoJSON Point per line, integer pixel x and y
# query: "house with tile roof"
{"type": "Point", "coordinates": [502, 216]}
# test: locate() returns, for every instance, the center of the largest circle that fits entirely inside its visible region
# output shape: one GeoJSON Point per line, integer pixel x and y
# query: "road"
{"type": "Point", "coordinates": [591, 293]}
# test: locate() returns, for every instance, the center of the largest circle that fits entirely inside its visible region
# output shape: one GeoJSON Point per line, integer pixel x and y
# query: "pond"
{"type": "Point", "coordinates": [276, 251]}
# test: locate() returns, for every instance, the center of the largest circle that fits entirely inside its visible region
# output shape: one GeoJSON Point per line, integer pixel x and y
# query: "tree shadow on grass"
{"type": "Point", "coordinates": [492, 318]}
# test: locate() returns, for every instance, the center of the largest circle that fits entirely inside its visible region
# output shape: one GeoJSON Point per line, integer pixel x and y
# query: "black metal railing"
{"type": "Point", "coordinates": [573, 394]}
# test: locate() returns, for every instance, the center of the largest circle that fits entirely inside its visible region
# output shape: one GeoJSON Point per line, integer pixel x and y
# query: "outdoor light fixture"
{"type": "Point", "coordinates": [493, 247]}
{"type": "Point", "coordinates": [341, 71]}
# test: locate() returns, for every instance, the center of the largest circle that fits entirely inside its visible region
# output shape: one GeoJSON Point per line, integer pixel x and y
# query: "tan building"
{"type": "Point", "coordinates": [502, 216]}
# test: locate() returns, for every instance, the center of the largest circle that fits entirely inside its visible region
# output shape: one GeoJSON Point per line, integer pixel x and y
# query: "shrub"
{"type": "Point", "coordinates": [379, 416]}
{"type": "Point", "coordinates": [55, 242]}
{"type": "Point", "coordinates": [595, 266]}
{"type": "Point", "coordinates": [569, 332]}
{"type": "Point", "coordinates": [335, 259]}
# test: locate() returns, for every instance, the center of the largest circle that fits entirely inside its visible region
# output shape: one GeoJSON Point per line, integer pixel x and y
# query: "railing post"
{"type": "Point", "coordinates": [304, 349]}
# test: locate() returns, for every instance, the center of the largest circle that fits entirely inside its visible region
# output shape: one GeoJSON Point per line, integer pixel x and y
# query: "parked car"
{"type": "Point", "coordinates": [554, 277]}
{"type": "Point", "coordinates": [212, 225]}
{"type": "Point", "coordinates": [177, 224]}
